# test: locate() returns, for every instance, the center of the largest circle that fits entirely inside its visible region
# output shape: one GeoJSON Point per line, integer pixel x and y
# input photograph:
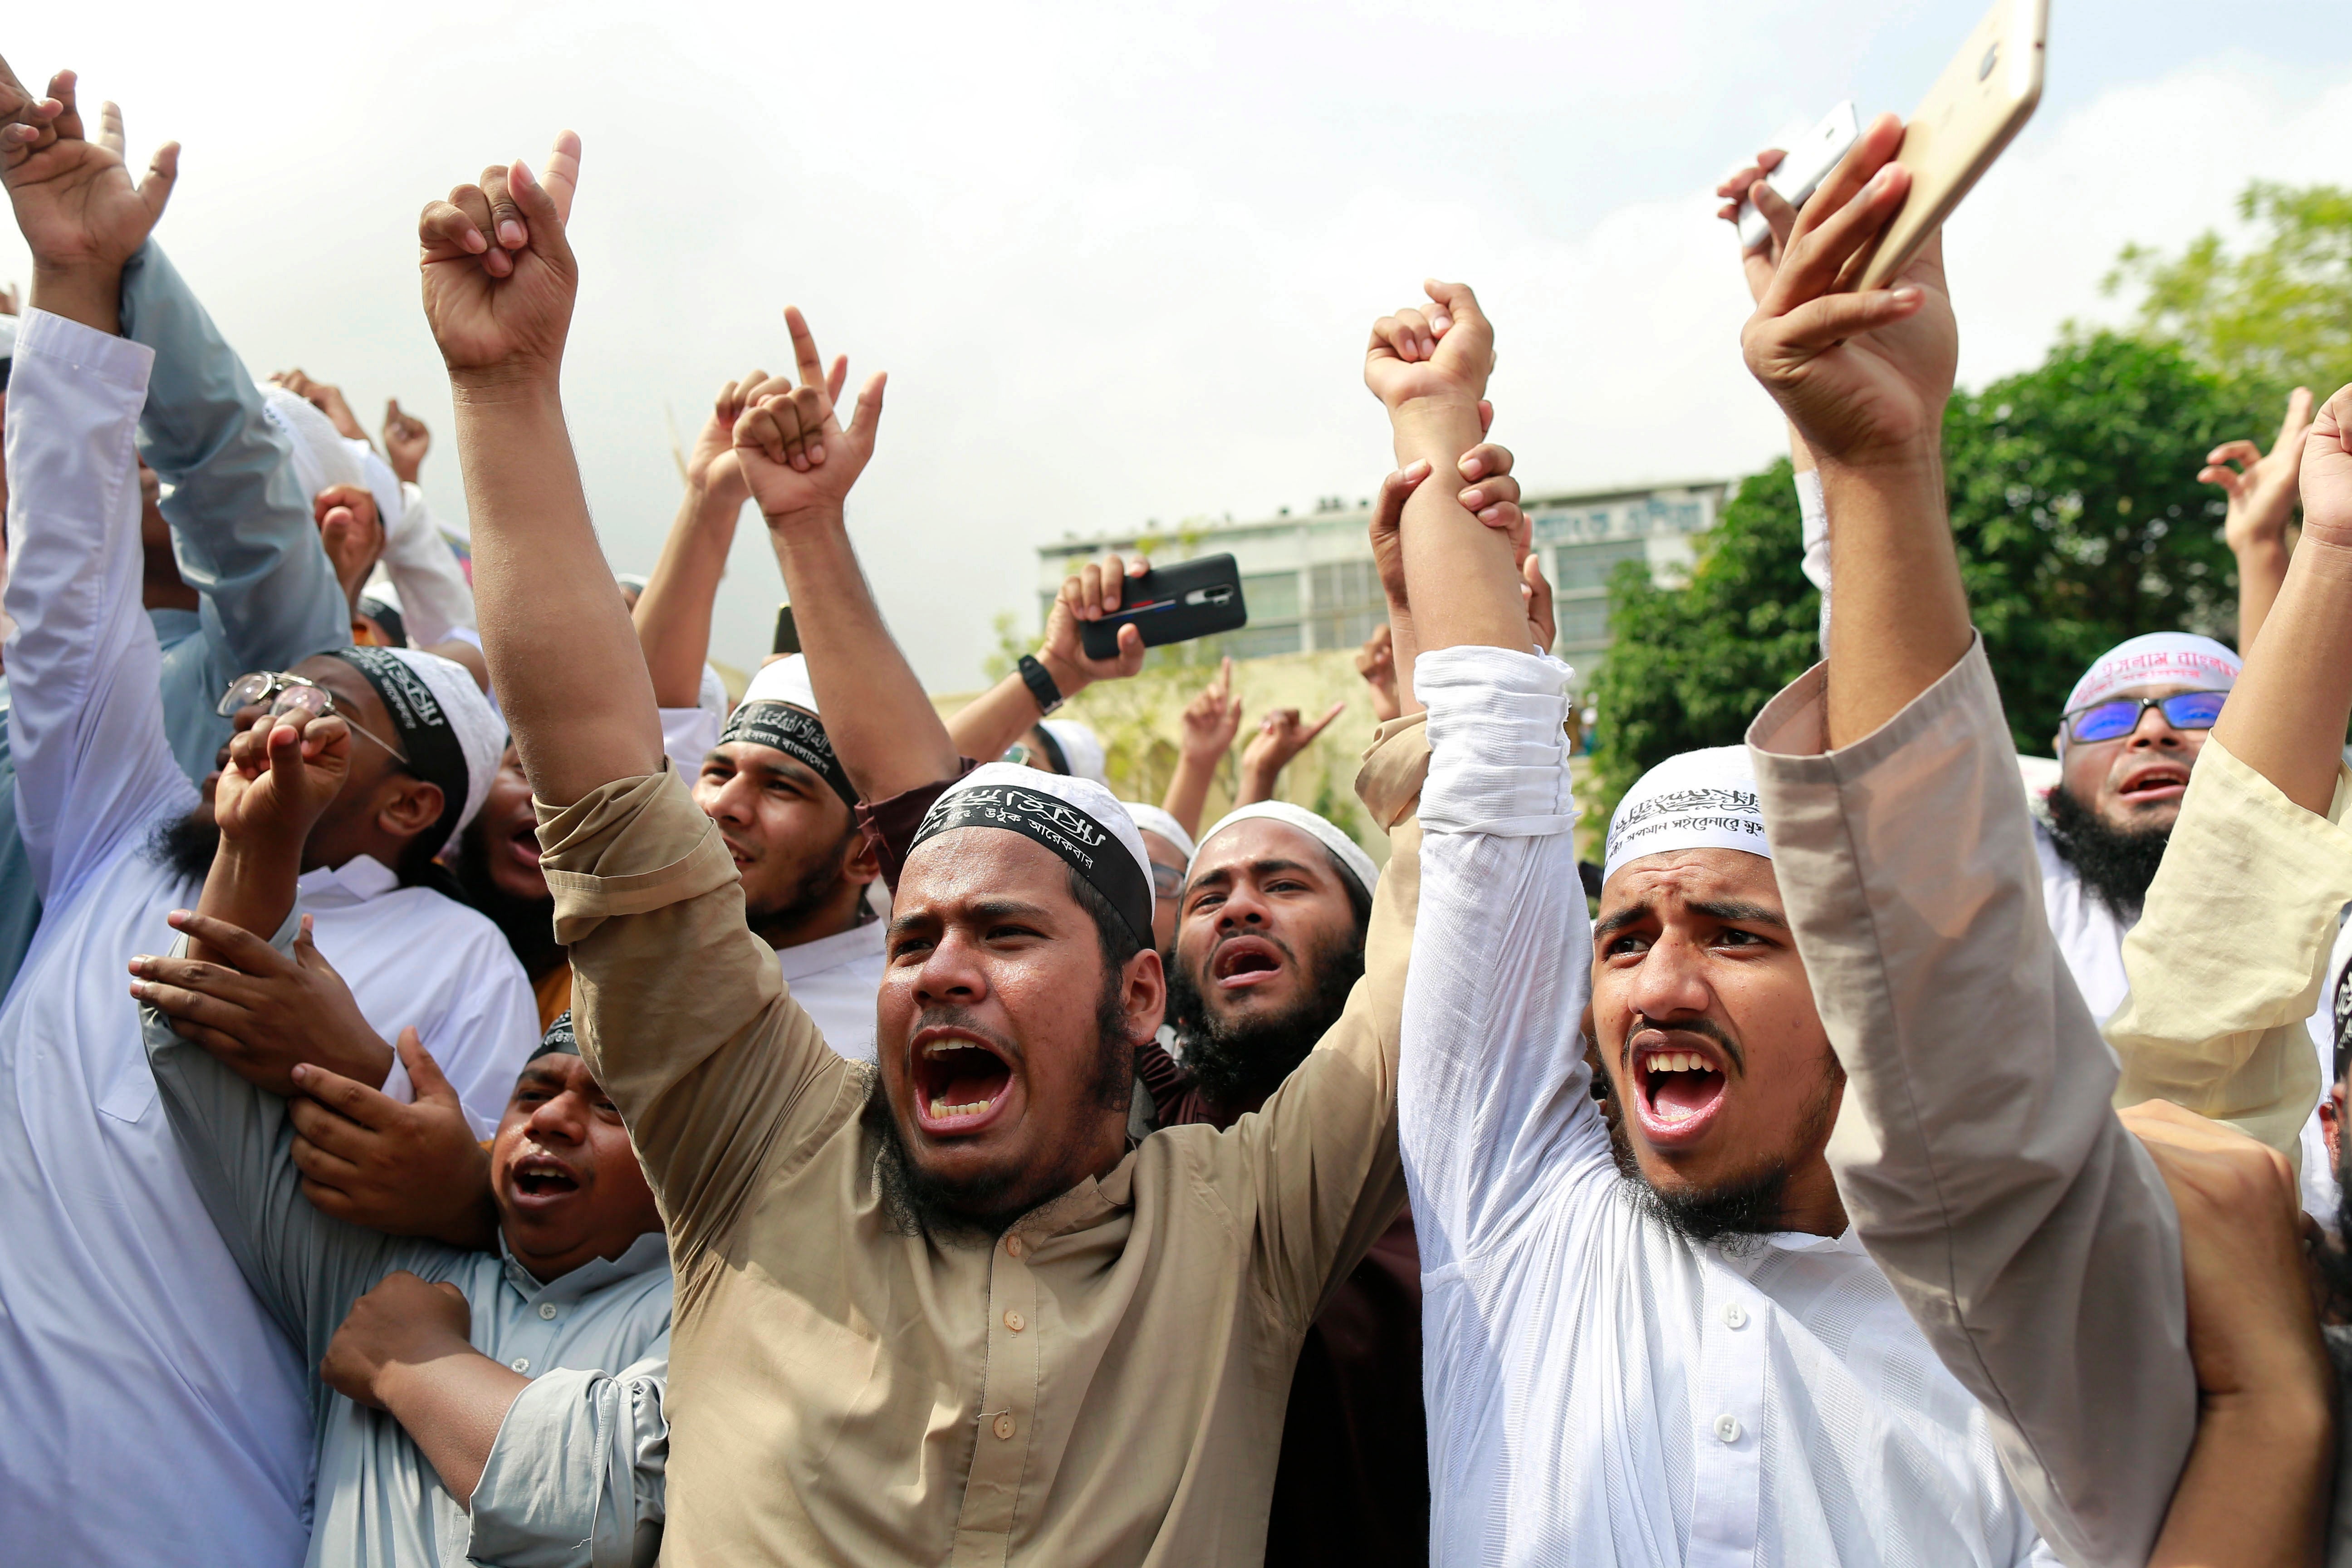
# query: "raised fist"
{"type": "Point", "coordinates": [795, 454]}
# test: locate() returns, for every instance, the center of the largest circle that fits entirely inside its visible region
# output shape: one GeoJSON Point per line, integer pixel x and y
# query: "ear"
{"type": "Point", "coordinates": [1146, 996]}
{"type": "Point", "coordinates": [408, 806]}
{"type": "Point", "coordinates": [2331, 1124]}
{"type": "Point", "coordinates": [861, 864]}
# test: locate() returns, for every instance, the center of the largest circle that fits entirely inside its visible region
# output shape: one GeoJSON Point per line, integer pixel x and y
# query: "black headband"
{"type": "Point", "coordinates": [425, 733]}
{"type": "Point", "coordinates": [559, 1040]}
{"type": "Point", "coordinates": [794, 731]}
{"type": "Point", "coordinates": [1091, 849]}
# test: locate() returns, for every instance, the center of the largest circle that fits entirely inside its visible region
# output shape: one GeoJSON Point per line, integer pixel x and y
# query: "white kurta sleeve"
{"type": "Point", "coordinates": [576, 1475]}
{"type": "Point", "coordinates": [1492, 1090]}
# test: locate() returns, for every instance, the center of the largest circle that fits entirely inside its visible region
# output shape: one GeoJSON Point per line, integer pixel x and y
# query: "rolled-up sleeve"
{"type": "Point", "coordinates": [1980, 1162]}
{"type": "Point", "coordinates": [575, 1478]}
{"type": "Point", "coordinates": [2228, 959]}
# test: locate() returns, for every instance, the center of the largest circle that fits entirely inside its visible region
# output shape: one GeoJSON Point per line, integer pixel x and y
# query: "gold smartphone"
{"type": "Point", "coordinates": [1977, 107]}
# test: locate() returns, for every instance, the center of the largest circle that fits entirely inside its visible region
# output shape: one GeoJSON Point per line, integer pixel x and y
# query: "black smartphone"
{"type": "Point", "coordinates": [1172, 604]}
{"type": "Point", "coordinates": [788, 636]}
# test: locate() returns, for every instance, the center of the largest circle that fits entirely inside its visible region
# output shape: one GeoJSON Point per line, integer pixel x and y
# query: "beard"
{"type": "Point", "coordinates": [1736, 1213]}
{"type": "Point", "coordinates": [2117, 864]}
{"type": "Point", "coordinates": [977, 1211]}
{"type": "Point", "coordinates": [1238, 1062]}
{"type": "Point", "coordinates": [807, 894]}
{"type": "Point", "coordinates": [527, 924]}
{"type": "Point", "coordinates": [185, 845]}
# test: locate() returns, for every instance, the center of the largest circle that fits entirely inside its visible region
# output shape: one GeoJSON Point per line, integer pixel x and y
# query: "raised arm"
{"type": "Point", "coordinates": [1005, 712]}
{"type": "Point", "coordinates": [2261, 491]}
{"type": "Point", "coordinates": [1489, 1104]}
{"type": "Point", "coordinates": [801, 461]}
{"type": "Point", "coordinates": [500, 280]}
{"type": "Point", "coordinates": [1209, 722]}
{"type": "Point", "coordinates": [85, 721]}
{"type": "Point", "coordinates": [673, 614]}
{"type": "Point", "coordinates": [2231, 956]}
{"type": "Point", "coordinates": [2027, 1232]}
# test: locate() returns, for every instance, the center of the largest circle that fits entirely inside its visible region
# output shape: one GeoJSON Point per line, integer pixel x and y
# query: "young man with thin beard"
{"type": "Point", "coordinates": [1075, 1350]}
{"type": "Point", "coordinates": [1722, 1370]}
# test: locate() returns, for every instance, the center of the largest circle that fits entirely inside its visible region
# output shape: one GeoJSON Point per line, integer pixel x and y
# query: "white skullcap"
{"type": "Point", "coordinates": [2158, 658]}
{"type": "Point", "coordinates": [1322, 830]}
{"type": "Point", "coordinates": [1076, 818]}
{"type": "Point", "coordinates": [783, 680]}
{"type": "Point", "coordinates": [1082, 749]}
{"type": "Point", "coordinates": [321, 456]}
{"type": "Point", "coordinates": [382, 483]}
{"type": "Point", "coordinates": [429, 698]}
{"type": "Point", "coordinates": [1700, 800]}
{"type": "Point", "coordinates": [1152, 819]}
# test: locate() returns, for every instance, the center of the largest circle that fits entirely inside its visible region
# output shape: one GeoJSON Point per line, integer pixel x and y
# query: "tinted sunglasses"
{"type": "Point", "coordinates": [2111, 720]}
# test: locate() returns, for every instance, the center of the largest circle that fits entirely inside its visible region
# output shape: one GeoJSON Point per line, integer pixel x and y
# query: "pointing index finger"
{"type": "Point", "coordinates": [804, 354]}
{"type": "Point", "coordinates": [562, 176]}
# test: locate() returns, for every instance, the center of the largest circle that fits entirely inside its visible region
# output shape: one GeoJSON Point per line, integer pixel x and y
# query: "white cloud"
{"type": "Point", "coordinates": [1118, 264]}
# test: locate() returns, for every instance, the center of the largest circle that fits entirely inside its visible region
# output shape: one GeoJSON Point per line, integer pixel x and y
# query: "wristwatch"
{"type": "Point", "coordinates": [1040, 684]}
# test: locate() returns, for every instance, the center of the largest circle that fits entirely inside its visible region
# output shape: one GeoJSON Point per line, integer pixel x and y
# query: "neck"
{"type": "Point", "coordinates": [1810, 1203]}
{"type": "Point", "coordinates": [548, 1267]}
{"type": "Point", "coordinates": [842, 909]}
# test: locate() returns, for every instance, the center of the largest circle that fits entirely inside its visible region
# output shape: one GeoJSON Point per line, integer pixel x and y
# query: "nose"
{"type": "Point", "coordinates": [1242, 909]}
{"type": "Point", "coordinates": [1671, 982]}
{"type": "Point", "coordinates": [563, 1118]}
{"type": "Point", "coordinates": [2154, 730]}
{"type": "Point", "coordinates": [732, 802]}
{"type": "Point", "coordinates": [951, 973]}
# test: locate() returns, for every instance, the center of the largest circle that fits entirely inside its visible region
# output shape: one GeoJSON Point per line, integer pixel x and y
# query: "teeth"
{"type": "Point", "coordinates": [1678, 1061]}
{"type": "Point", "coordinates": [942, 1109]}
{"type": "Point", "coordinates": [939, 1048]}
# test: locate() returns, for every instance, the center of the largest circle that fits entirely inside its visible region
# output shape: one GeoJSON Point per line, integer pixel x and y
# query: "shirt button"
{"type": "Point", "coordinates": [520, 1364]}
{"type": "Point", "coordinates": [547, 1310]}
{"type": "Point", "coordinates": [1003, 1425]}
{"type": "Point", "coordinates": [1734, 1316]}
{"type": "Point", "coordinates": [1013, 1248]}
{"type": "Point", "coordinates": [1016, 1321]}
{"type": "Point", "coordinates": [1727, 1427]}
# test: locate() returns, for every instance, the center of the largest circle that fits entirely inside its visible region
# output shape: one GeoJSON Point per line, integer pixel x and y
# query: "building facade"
{"type": "Point", "coordinates": [1309, 584]}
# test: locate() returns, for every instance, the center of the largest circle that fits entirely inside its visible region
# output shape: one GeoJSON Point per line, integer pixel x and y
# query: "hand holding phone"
{"type": "Point", "coordinates": [1803, 165]}
{"type": "Point", "coordinates": [1170, 605]}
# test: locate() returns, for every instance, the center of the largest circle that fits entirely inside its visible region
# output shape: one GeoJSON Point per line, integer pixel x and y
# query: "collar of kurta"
{"type": "Point", "coordinates": [807, 958]}
{"type": "Point", "coordinates": [355, 881]}
{"type": "Point", "coordinates": [648, 1251]}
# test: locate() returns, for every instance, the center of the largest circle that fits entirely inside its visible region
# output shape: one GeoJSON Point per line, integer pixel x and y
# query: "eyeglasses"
{"type": "Point", "coordinates": [290, 693]}
{"type": "Point", "coordinates": [2111, 720]}
{"type": "Point", "coordinates": [1167, 881]}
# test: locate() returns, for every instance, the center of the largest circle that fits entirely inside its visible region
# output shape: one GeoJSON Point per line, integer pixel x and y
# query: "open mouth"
{"type": "Point", "coordinates": [543, 1178]}
{"type": "Point", "coordinates": [959, 1082]}
{"type": "Point", "coordinates": [2165, 782]}
{"type": "Point", "coordinates": [1244, 962]}
{"type": "Point", "coordinates": [1677, 1090]}
{"type": "Point", "coordinates": [523, 845]}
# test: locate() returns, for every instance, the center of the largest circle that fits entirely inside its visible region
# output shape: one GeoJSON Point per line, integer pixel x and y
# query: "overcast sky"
{"type": "Point", "coordinates": [1119, 262]}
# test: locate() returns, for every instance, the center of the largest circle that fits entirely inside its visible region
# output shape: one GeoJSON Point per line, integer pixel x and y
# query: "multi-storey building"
{"type": "Point", "coordinates": [1309, 583]}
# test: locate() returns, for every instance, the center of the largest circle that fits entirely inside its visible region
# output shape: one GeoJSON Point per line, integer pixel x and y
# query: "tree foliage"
{"type": "Point", "coordinates": [2079, 522]}
{"type": "Point", "coordinates": [2278, 316]}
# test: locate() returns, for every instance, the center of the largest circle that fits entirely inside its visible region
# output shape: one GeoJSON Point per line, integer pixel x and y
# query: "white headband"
{"type": "Point", "coordinates": [1699, 800]}
{"type": "Point", "coordinates": [1350, 854]}
{"type": "Point", "coordinates": [2158, 658]}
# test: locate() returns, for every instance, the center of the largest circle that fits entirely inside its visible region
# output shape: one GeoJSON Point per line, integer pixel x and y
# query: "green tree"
{"type": "Point", "coordinates": [2079, 519]}
{"type": "Point", "coordinates": [2273, 318]}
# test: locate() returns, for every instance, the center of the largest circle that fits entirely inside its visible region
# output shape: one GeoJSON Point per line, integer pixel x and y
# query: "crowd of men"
{"type": "Point", "coordinates": [557, 1116]}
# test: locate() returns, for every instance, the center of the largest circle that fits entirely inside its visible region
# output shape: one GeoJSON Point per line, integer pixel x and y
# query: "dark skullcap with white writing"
{"type": "Point", "coordinates": [778, 711]}
{"type": "Point", "coordinates": [1077, 819]}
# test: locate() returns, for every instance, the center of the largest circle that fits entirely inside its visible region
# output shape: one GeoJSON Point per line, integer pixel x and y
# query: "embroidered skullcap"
{"type": "Point", "coordinates": [453, 736]}
{"type": "Point", "coordinates": [1077, 819]}
{"type": "Point", "coordinates": [2157, 658]}
{"type": "Point", "coordinates": [1699, 800]}
{"type": "Point", "coordinates": [778, 711]}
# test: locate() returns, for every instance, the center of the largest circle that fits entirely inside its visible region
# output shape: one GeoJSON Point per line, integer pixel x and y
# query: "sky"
{"type": "Point", "coordinates": [1119, 260]}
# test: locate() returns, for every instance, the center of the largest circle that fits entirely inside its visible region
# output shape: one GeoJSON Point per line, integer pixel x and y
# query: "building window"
{"type": "Point", "coordinates": [1582, 620]}
{"type": "Point", "coordinates": [1271, 596]}
{"type": "Point", "coordinates": [1576, 566]}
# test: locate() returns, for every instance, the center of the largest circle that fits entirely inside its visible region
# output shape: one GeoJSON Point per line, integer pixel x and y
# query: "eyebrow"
{"type": "Point", "coordinates": [1258, 867]}
{"type": "Point", "coordinates": [789, 769]}
{"type": "Point", "coordinates": [983, 909]}
{"type": "Point", "coordinates": [1730, 912]}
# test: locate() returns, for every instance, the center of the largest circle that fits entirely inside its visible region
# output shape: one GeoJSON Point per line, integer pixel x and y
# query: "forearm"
{"type": "Point", "coordinates": [2255, 1491]}
{"type": "Point", "coordinates": [1464, 585]}
{"type": "Point", "coordinates": [1903, 618]}
{"type": "Point", "coordinates": [1255, 784]}
{"type": "Point", "coordinates": [2286, 716]}
{"type": "Point", "coordinates": [1188, 791]}
{"type": "Point", "coordinates": [451, 1403]}
{"type": "Point", "coordinates": [2261, 573]}
{"type": "Point", "coordinates": [92, 295]}
{"type": "Point", "coordinates": [882, 724]}
{"type": "Point", "coordinates": [1000, 715]}
{"type": "Point", "coordinates": [1404, 641]}
{"type": "Point", "coordinates": [250, 884]}
{"type": "Point", "coordinates": [570, 674]}
{"type": "Point", "coordinates": [673, 613]}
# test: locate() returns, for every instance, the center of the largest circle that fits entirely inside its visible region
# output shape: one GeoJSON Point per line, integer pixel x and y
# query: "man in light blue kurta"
{"type": "Point", "coordinates": [575, 1475]}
